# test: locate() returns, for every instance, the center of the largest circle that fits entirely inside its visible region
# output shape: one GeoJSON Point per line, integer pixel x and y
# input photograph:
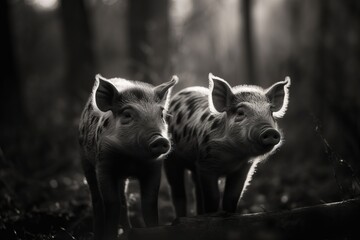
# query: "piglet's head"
{"type": "Point", "coordinates": [136, 113]}
{"type": "Point", "coordinates": [250, 113]}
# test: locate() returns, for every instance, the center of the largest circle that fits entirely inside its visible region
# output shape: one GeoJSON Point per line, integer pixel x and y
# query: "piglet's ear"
{"type": "Point", "coordinates": [220, 96]}
{"type": "Point", "coordinates": [105, 94]}
{"type": "Point", "coordinates": [163, 91]}
{"type": "Point", "coordinates": [278, 95]}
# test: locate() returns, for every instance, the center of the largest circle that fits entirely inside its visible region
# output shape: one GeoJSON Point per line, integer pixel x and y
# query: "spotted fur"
{"type": "Point", "coordinates": [211, 144]}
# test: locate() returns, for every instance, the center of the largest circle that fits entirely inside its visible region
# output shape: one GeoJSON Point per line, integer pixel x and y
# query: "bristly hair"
{"type": "Point", "coordinates": [211, 88]}
{"type": "Point", "coordinates": [250, 88]}
{"type": "Point", "coordinates": [282, 111]}
{"type": "Point", "coordinates": [119, 83]}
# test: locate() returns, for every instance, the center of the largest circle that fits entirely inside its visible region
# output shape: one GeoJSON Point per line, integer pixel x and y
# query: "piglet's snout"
{"type": "Point", "coordinates": [159, 145]}
{"type": "Point", "coordinates": [269, 137]}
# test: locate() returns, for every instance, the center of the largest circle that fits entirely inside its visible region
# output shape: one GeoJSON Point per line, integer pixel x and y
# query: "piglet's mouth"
{"type": "Point", "coordinates": [158, 145]}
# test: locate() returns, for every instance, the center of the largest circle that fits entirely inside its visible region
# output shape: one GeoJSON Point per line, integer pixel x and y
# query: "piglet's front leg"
{"type": "Point", "coordinates": [209, 188]}
{"type": "Point", "coordinates": [149, 185]}
{"type": "Point", "coordinates": [110, 192]}
{"type": "Point", "coordinates": [233, 187]}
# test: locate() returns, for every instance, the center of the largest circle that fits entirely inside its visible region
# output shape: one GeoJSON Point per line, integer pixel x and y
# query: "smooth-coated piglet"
{"type": "Point", "coordinates": [222, 131]}
{"type": "Point", "coordinates": [123, 134]}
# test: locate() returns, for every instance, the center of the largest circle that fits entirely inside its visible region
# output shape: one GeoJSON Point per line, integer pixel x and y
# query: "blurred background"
{"type": "Point", "coordinates": [52, 50]}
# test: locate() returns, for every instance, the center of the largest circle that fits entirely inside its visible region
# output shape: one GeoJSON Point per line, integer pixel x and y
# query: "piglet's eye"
{"type": "Point", "coordinates": [240, 115]}
{"type": "Point", "coordinates": [126, 117]}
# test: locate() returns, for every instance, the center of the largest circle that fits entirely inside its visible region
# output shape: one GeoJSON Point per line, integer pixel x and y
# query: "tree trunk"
{"type": "Point", "coordinates": [149, 40]}
{"type": "Point", "coordinates": [79, 49]}
{"type": "Point", "coordinates": [13, 116]}
{"type": "Point", "coordinates": [337, 220]}
{"type": "Point", "coordinates": [10, 87]}
{"type": "Point", "coordinates": [246, 36]}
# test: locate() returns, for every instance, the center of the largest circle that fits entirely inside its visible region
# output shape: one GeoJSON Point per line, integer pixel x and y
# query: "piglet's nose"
{"type": "Point", "coordinates": [159, 145]}
{"type": "Point", "coordinates": [270, 137]}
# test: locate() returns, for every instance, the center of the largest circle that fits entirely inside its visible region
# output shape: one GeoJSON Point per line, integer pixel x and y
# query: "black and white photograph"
{"type": "Point", "coordinates": [180, 120]}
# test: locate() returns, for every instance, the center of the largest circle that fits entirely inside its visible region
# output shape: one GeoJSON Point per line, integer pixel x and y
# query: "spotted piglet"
{"type": "Point", "coordinates": [218, 132]}
{"type": "Point", "coordinates": [123, 134]}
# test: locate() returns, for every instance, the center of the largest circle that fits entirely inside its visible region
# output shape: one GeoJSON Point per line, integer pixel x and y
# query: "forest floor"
{"type": "Point", "coordinates": [57, 205]}
{"type": "Point", "coordinates": [56, 208]}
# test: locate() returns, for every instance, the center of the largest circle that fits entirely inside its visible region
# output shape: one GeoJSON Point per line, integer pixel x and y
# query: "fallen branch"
{"type": "Point", "coordinates": [339, 220]}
